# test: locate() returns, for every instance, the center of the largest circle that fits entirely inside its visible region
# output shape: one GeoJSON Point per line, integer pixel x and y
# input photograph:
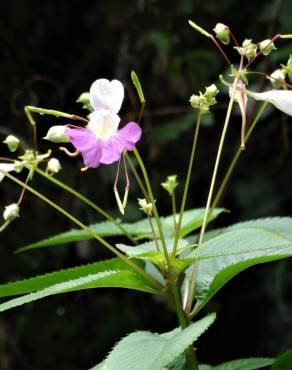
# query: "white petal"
{"type": "Point", "coordinates": [5, 167]}
{"type": "Point", "coordinates": [105, 94]}
{"type": "Point", "coordinates": [103, 123]}
{"type": "Point", "coordinates": [281, 99]}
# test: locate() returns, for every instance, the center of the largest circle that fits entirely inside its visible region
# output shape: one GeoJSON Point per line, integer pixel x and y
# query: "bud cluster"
{"type": "Point", "coordinates": [202, 102]}
{"type": "Point", "coordinates": [170, 184]}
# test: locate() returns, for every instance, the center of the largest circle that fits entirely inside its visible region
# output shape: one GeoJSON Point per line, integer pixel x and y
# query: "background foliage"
{"type": "Point", "coordinates": [50, 52]}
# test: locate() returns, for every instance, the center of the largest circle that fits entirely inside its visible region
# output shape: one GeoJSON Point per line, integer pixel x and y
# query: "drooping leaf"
{"type": "Point", "coordinates": [192, 220]}
{"type": "Point", "coordinates": [148, 351]}
{"type": "Point", "coordinates": [97, 275]}
{"type": "Point", "coordinates": [284, 361]}
{"type": "Point", "coordinates": [245, 364]}
{"type": "Point", "coordinates": [237, 248]}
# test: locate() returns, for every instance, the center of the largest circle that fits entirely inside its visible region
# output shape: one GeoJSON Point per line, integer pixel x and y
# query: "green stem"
{"type": "Point", "coordinates": [153, 232]}
{"type": "Point", "coordinates": [211, 190]}
{"type": "Point", "coordinates": [174, 290]}
{"type": "Point", "coordinates": [50, 112]}
{"type": "Point", "coordinates": [236, 157]}
{"type": "Point", "coordinates": [155, 212]}
{"type": "Point", "coordinates": [173, 203]}
{"type": "Point", "coordinates": [138, 178]}
{"type": "Point", "coordinates": [85, 200]}
{"type": "Point", "coordinates": [187, 183]}
{"type": "Point", "coordinates": [90, 232]}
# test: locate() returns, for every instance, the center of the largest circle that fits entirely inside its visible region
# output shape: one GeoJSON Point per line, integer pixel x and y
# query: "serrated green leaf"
{"type": "Point", "coordinates": [148, 252]}
{"type": "Point", "coordinates": [148, 351]}
{"type": "Point", "coordinates": [284, 361]}
{"type": "Point", "coordinates": [192, 220]}
{"type": "Point", "coordinates": [245, 364]}
{"type": "Point", "coordinates": [72, 280]}
{"type": "Point", "coordinates": [144, 248]}
{"type": "Point", "coordinates": [237, 248]}
{"type": "Point", "coordinates": [44, 281]}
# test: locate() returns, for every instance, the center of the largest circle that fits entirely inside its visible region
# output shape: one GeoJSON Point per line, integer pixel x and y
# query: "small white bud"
{"type": "Point", "coordinates": [11, 212]}
{"type": "Point", "coordinates": [277, 77]}
{"type": "Point", "coordinates": [53, 166]}
{"type": "Point", "coordinates": [12, 142]}
{"type": "Point", "coordinates": [170, 184]}
{"type": "Point", "coordinates": [56, 134]}
{"type": "Point", "coordinates": [267, 46]}
{"type": "Point", "coordinates": [145, 206]}
{"type": "Point", "coordinates": [222, 33]}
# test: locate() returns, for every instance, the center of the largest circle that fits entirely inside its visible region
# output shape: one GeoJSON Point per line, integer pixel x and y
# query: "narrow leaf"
{"type": "Point", "coordinates": [138, 86]}
{"type": "Point", "coordinates": [192, 220]}
{"type": "Point", "coordinates": [245, 364]}
{"type": "Point", "coordinates": [112, 278]}
{"type": "Point", "coordinates": [44, 281]}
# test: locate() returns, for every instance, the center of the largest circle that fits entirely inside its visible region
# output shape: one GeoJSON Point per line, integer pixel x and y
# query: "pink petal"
{"type": "Point", "coordinates": [87, 143]}
{"type": "Point", "coordinates": [125, 138]}
{"type": "Point", "coordinates": [95, 151]}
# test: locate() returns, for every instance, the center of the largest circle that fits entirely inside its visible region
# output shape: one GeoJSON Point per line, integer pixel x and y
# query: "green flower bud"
{"type": "Point", "coordinates": [204, 101]}
{"type": "Point", "coordinates": [53, 166]}
{"type": "Point", "coordinates": [248, 49]}
{"type": "Point", "coordinates": [277, 77]}
{"type": "Point", "coordinates": [266, 46]}
{"type": "Point", "coordinates": [56, 134]}
{"type": "Point", "coordinates": [170, 184]}
{"type": "Point", "coordinates": [11, 212]}
{"type": "Point", "coordinates": [18, 166]}
{"type": "Point", "coordinates": [211, 91]}
{"type": "Point", "coordinates": [195, 101]}
{"type": "Point", "coordinates": [288, 68]}
{"type": "Point", "coordinates": [12, 142]}
{"type": "Point", "coordinates": [222, 33]}
{"type": "Point", "coordinates": [145, 206]}
{"type": "Point", "coordinates": [84, 99]}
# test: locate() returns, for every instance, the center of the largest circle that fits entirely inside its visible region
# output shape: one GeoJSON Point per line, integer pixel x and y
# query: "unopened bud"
{"type": "Point", "coordinates": [145, 206]}
{"type": "Point", "coordinates": [211, 91]}
{"type": "Point", "coordinates": [288, 68]}
{"type": "Point", "coordinates": [11, 212]}
{"type": "Point", "coordinates": [204, 101]}
{"type": "Point", "coordinates": [248, 49]}
{"type": "Point", "coordinates": [170, 184]}
{"type": "Point", "coordinates": [266, 46]}
{"type": "Point", "coordinates": [56, 134]}
{"type": "Point", "coordinates": [222, 33]}
{"type": "Point", "coordinates": [12, 142]}
{"type": "Point", "coordinates": [277, 77]}
{"type": "Point", "coordinates": [84, 99]}
{"type": "Point", "coordinates": [53, 166]}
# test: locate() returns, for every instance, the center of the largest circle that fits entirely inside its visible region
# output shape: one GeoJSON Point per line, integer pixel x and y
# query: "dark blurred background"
{"type": "Point", "coordinates": [50, 52]}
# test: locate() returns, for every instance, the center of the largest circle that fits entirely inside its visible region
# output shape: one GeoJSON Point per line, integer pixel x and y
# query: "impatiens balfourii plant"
{"type": "Point", "coordinates": [167, 256]}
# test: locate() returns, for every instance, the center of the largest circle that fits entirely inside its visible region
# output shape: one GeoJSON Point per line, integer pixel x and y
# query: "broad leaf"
{"type": "Point", "coordinates": [245, 364]}
{"type": "Point", "coordinates": [237, 248]}
{"type": "Point", "coordinates": [192, 220]}
{"type": "Point", "coordinates": [147, 351]}
{"type": "Point", "coordinates": [111, 273]}
{"type": "Point", "coordinates": [284, 361]}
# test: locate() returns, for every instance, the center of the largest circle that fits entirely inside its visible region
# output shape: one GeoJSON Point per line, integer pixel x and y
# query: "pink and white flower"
{"type": "Point", "coordinates": [101, 142]}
